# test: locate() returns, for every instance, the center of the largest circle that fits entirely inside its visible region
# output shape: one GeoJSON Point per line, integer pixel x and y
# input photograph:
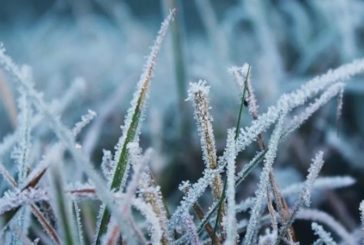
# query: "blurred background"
{"type": "Point", "coordinates": [102, 45]}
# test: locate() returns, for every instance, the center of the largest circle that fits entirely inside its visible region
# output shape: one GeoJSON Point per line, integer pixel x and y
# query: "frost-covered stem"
{"type": "Point", "coordinates": [322, 217]}
{"type": "Point", "coordinates": [45, 224]}
{"type": "Point", "coordinates": [210, 231]}
{"type": "Point", "coordinates": [22, 150]}
{"type": "Point", "coordinates": [196, 190]}
{"type": "Point", "coordinates": [201, 216]}
{"type": "Point", "coordinates": [323, 235]}
{"type": "Point", "coordinates": [243, 77]}
{"type": "Point", "coordinates": [152, 195]}
{"type": "Point", "coordinates": [147, 211]}
{"type": "Point", "coordinates": [231, 229]}
{"type": "Point", "coordinates": [305, 196]}
{"type": "Point", "coordinates": [361, 209]}
{"type": "Point", "coordinates": [139, 163]}
{"type": "Point", "coordinates": [295, 99]}
{"type": "Point", "coordinates": [340, 102]}
{"type": "Point", "coordinates": [298, 119]}
{"type": "Point", "coordinates": [191, 229]}
{"type": "Point", "coordinates": [7, 176]}
{"type": "Point", "coordinates": [320, 184]}
{"type": "Point", "coordinates": [198, 93]}
{"type": "Point", "coordinates": [272, 212]}
{"type": "Point", "coordinates": [263, 183]}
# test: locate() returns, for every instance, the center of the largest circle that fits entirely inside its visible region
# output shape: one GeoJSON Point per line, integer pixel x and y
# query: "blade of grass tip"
{"type": "Point", "coordinates": [62, 206]}
{"type": "Point", "coordinates": [132, 122]}
{"type": "Point", "coordinates": [8, 216]}
{"type": "Point", "coordinates": [242, 104]}
{"type": "Point", "coordinates": [35, 179]}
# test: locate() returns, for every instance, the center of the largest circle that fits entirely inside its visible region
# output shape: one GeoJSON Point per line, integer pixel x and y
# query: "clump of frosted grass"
{"type": "Point", "coordinates": [133, 208]}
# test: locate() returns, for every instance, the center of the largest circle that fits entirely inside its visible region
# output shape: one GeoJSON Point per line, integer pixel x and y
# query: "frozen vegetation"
{"type": "Point", "coordinates": [244, 129]}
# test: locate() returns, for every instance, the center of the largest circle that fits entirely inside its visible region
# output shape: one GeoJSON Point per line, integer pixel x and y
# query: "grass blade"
{"type": "Point", "coordinates": [62, 207]}
{"type": "Point", "coordinates": [132, 123]}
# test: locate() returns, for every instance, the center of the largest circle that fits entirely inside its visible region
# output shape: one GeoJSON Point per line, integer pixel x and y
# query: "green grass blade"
{"type": "Point", "coordinates": [132, 124]}
{"type": "Point", "coordinates": [62, 207]}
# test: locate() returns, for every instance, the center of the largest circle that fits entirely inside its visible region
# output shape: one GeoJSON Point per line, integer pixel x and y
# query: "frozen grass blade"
{"type": "Point", "coordinates": [263, 182]}
{"type": "Point", "coordinates": [78, 221]}
{"type": "Point", "coordinates": [324, 236]}
{"type": "Point", "coordinates": [62, 207]}
{"type": "Point", "coordinates": [296, 98]}
{"type": "Point", "coordinates": [152, 195]}
{"type": "Point", "coordinates": [361, 209]}
{"type": "Point", "coordinates": [241, 78]}
{"type": "Point", "coordinates": [132, 123]}
{"type": "Point", "coordinates": [305, 195]}
{"type": "Point", "coordinates": [231, 229]}
{"type": "Point", "coordinates": [329, 221]}
{"type": "Point", "coordinates": [248, 168]}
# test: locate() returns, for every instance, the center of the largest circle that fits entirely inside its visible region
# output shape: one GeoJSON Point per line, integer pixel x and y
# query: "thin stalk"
{"type": "Point", "coordinates": [246, 171]}
{"type": "Point", "coordinates": [62, 208]}
{"type": "Point", "coordinates": [222, 199]}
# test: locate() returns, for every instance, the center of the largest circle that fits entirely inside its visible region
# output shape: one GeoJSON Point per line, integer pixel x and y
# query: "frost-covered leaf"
{"type": "Point", "coordinates": [132, 124]}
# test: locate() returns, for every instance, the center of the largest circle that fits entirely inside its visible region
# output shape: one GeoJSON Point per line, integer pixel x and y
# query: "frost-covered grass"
{"type": "Point", "coordinates": [55, 191]}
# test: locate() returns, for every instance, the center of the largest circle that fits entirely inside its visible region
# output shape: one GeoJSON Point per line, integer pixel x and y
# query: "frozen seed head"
{"type": "Point", "coordinates": [241, 75]}
{"type": "Point", "coordinates": [200, 88]}
{"type": "Point", "coordinates": [198, 94]}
